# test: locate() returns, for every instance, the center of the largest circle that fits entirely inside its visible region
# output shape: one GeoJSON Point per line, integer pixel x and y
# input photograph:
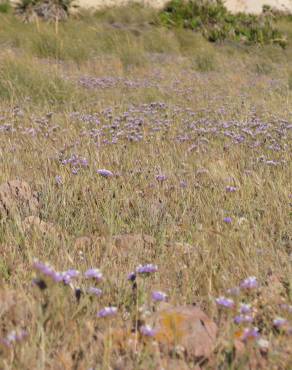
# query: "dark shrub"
{"type": "Point", "coordinates": [216, 23]}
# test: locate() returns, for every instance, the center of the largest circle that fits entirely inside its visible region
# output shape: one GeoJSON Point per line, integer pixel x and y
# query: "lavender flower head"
{"type": "Point", "coordinates": [250, 333]}
{"type": "Point", "coordinates": [225, 302]}
{"type": "Point", "coordinates": [59, 180]}
{"type": "Point", "coordinates": [161, 178]}
{"type": "Point", "coordinates": [146, 269]}
{"type": "Point", "coordinates": [95, 291]}
{"type": "Point", "coordinates": [14, 336]}
{"type": "Point", "coordinates": [279, 322]}
{"type": "Point", "coordinates": [159, 296]}
{"type": "Point", "coordinates": [93, 274]}
{"type": "Point", "coordinates": [65, 276]}
{"type": "Point", "coordinates": [107, 312]}
{"type": "Point", "coordinates": [147, 330]}
{"type": "Point", "coordinates": [183, 184]}
{"type": "Point", "coordinates": [44, 268]}
{"type": "Point", "coordinates": [72, 273]}
{"type": "Point", "coordinates": [230, 189]}
{"type": "Point", "coordinates": [249, 283]}
{"type": "Point", "coordinates": [132, 276]}
{"type": "Point", "coordinates": [227, 220]}
{"type": "Point", "coordinates": [240, 319]}
{"type": "Point", "coordinates": [105, 173]}
{"type": "Point", "coordinates": [245, 308]}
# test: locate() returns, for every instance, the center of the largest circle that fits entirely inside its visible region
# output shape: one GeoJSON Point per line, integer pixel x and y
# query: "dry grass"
{"type": "Point", "coordinates": [142, 103]}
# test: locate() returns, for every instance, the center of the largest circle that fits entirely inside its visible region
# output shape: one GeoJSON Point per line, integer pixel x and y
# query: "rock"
{"type": "Point", "coordinates": [16, 197]}
{"type": "Point", "coordinates": [187, 327]}
{"type": "Point", "coordinates": [47, 229]}
{"type": "Point", "coordinates": [128, 242]}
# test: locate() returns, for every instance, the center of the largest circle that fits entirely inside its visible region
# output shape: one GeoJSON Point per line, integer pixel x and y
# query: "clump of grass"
{"type": "Point", "coordinates": [48, 44]}
{"type": "Point", "coordinates": [263, 67]}
{"type": "Point", "coordinates": [132, 13]}
{"type": "Point", "coordinates": [20, 82]}
{"type": "Point", "coordinates": [216, 23]}
{"type": "Point", "coordinates": [290, 81]}
{"type": "Point", "coordinates": [205, 62]}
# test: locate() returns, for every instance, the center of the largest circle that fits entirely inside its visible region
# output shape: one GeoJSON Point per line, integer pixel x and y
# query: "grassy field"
{"type": "Point", "coordinates": [197, 139]}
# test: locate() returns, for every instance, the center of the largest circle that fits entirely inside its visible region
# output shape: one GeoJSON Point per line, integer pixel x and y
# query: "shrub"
{"type": "Point", "coordinates": [49, 10]}
{"type": "Point", "coordinates": [216, 23]}
{"type": "Point", "coordinates": [5, 6]}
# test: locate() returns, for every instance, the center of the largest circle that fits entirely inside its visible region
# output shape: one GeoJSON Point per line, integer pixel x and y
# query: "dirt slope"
{"type": "Point", "coordinates": [251, 6]}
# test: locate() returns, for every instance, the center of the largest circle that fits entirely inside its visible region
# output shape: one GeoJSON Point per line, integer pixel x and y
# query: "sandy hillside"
{"type": "Point", "coordinates": [253, 6]}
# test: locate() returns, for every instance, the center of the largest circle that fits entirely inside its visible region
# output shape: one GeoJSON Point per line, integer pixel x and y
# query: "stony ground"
{"type": "Point", "coordinates": [145, 199]}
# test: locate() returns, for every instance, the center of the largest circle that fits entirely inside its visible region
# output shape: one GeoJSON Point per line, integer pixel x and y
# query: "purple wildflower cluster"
{"type": "Point", "coordinates": [105, 173]}
{"type": "Point", "coordinates": [76, 163]}
{"type": "Point", "coordinates": [146, 269]}
{"type": "Point", "coordinates": [107, 312]}
{"type": "Point", "coordinates": [246, 313]}
{"type": "Point", "coordinates": [102, 83]}
{"type": "Point", "coordinates": [48, 271]}
{"type": "Point", "coordinates": [147, 331]}
{"type": "Point", "coordinates": [14, 337]}
{"type": "Point", "coordinates": [159, 296]}
{"type": "Point", "coordinates": [93, 274]}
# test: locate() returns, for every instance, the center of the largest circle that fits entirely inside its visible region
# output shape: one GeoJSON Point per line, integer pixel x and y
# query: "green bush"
{"type": "Point", "coordinates": [49, 10]}
{"type": "Point", "coordinates": [216, 23]}
{"type": "Point", "coordinates": [5, 6]}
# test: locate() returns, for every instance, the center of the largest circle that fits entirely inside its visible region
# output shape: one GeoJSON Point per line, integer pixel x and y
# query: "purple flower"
{"type": "Point", "coordinates": [95, 291]}
{"type": "Point", "coordinates": [183, 184]}
{"type": "Point", "coordinates": [225, 302]}
{"type": "Point", "coordinates": [59, 276]}
{"type": "Point", "coordinates": [230, 189]}
{"type": "Point", "coordinates": [105, 173]}
{"type": "Point", "coordinates": [159, 296]}
{"type": "Point", "coordinates": [243, 319]}
{"type": "Point", "coordinates": [93, 274]}
{"type": "Point", "coordinates": [279, 322]}
{"type": "Point", "coordinates": [146, 269]}
{"type": "Point", "coordinates": [132, 276]}
{"type": "Point", "coordinates": [161, 178]}
{"type": "Point", "coordinates": [72, 273]}
{"type": "Point", "coordinates": [147, 330]}
{"type": "Point", "coordinates": [227, 220]}
{"type": "Point", "coordinates": [59, 180]}
{"type": "Point", "coordinates": [107, 311]}
{"type": "Point", "coordinates": [14, 336]}
{"type": "Point", "coordinates": [44, 268]}
{"type": "Point", "coordinates": [250, 333]}
{"type": "Point", "coordinates": [245, 308]}
{"type": "Point", "coordinates": [249, 283]}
